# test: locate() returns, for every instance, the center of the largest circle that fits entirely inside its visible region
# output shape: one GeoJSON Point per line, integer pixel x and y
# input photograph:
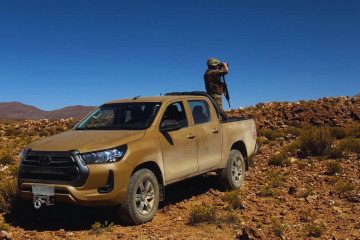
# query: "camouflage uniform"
{"type": "Point", "coordinates": [212, 78]}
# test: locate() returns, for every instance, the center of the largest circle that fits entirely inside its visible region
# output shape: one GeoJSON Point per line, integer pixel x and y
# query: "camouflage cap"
{"type": "Point", "coordinates": [213, 62]}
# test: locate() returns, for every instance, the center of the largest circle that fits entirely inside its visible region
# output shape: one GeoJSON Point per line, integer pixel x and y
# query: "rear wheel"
{"type": "Point", "coordinates": [142, 198]}
{"type": "Point", "coordinates": [232, 176]}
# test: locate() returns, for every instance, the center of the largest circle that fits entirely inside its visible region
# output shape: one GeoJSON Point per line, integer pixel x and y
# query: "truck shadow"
{"type": "Point", "coordinates": [76, 218]}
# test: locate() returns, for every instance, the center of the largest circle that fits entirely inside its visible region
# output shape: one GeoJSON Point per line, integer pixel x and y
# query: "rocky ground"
{"type": "Point", "coordinates": [299, 200]}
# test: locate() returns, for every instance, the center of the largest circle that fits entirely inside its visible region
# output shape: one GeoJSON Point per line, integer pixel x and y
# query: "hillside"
{"type": "Point", "coordinates": [17, 110]}
{"type": "Point", "coordinates": [292, 190]}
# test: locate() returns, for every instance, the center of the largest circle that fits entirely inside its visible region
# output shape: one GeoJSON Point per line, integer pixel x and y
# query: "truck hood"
{"type": "Point", "coordinates": [86, 140]}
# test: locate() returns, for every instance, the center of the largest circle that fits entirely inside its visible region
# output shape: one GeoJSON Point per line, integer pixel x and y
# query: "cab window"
{"type": "Point", "coordinates": [176, 111]}
{"type": "Point", "coordinates": [200, 111]}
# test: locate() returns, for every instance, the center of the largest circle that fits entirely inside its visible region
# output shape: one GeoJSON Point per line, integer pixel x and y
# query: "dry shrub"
{"type": "Point", "coordinates": [338, 132]}
{"type": "Point", "coordinates": [4, 226]}
{"type": "Point", "coordinates": [316, 141]}
{"type": "Point", "coordinates": [279, 159]}
{"type": "Point", "coordinates": [301, 164]}
{"type": "Point", "coordinates": [307, 192]}
{"type": "Point", "coordinates": [333, 167]}
{"type": "Point", "coordinates": [335, 152]}
{"type": "Point", "coordinates": [292, 147]}
{"type": "Point", "coordinates": [278, 227]}
{"type": "Point", "coordinates": [350, 145]}
{"type": "Point", "coordinates": [344, 186]}
{"type": "Point", "coordinates": [306, 215]}
{"type": "Point", "coordinates": [12, 132]}
{"type": "Point", "coordinates": [8, 195]}
{"type": "Point", "coordinates": [6, 157]}
{"type": "Point", "coordinates": [233, 199]}
{"type": "Point", "coordinates": [268, 191]}
{"type": "Point", "coordinates": [353, 130]}
{"type": "Point", "coordinates": [99, 228]}
{"type": "Point", "coordinates": [293, 131]}
{"type": "Point", "coordinates": [230, 218]}
{"type": "Point", "coordinates": [275, 179]}
{"type": "Point", "coordinates": [314, 230]}
{"type": "Point", "coordinates": [271, 134]}
{"type": "Point", "coordinates": [202, 214]}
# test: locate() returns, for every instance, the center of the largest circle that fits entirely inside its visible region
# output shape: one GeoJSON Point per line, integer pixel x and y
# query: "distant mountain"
{"type": "Point", "coordinates": [20, 110]}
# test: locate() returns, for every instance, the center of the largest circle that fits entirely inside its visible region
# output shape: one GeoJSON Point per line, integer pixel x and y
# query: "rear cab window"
{"type": "Point", "coordinates": [200, 111]}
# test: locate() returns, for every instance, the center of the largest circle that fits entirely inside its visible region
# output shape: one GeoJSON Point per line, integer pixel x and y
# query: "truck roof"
{"type": "Point", "coordinates": [174, 95]}
{"type": "Point", "coordinates": [149, 99]}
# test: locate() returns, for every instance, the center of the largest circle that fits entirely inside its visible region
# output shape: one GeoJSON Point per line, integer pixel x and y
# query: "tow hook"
{"type": "Point", "coordinates": [42, 200]}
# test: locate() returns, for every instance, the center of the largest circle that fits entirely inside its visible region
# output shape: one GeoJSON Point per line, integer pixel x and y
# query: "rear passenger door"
{"type": "Point", "coordinates": [208, 137]}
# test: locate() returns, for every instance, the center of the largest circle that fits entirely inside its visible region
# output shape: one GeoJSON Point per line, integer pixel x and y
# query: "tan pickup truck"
{"type": "Point", "coordinates": [125, 152]}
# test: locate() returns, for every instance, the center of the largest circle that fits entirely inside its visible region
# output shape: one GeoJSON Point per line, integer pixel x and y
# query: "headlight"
{"type": "Point", "coordinates": [105, 156]}
{"type": "Point", "coordinates": [22, 154]}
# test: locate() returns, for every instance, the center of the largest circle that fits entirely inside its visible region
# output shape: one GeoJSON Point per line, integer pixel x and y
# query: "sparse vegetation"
{"type": "Point", "coordinates": [292, 147]}
{"type": "Point", "coordinates": [316, 141]}
{"type": "Point", "coordinates": [307, 192]}
{"type": "Point", "coordinates": [279, 159]}
{"type": "Point", "coordinates": [278, 227]}
{"type": "Point", "coordinates": [202, 213]}
{"type": "Point", "coordinates": [344, 186]}
{"type": "Point", "coordinates": [8, 195]}
{"type": "Point", "coordinates": [305, 215]}
{"type": "Point", "coordinates": [271, 134]}
{"type": "Point", "coordinates": [230, 218]}
{"type": "Point", "coordinates": [4, 226]}
{"type": "Point", "coordinates": [99, 228]}
{"type": "Point", "coordinates": [12, 132]}
{"type": "Point", "coordinates": [6, 158]}
{"type": "Point", "coordinates": [233, 199]}
{"type": "Point", "coordinates": [267, 191]}
{"type": "Point", "coordinates": [333, 167]}
{"type": "Point", "coordinates": [314, 230]}
{"type": "Point", "coordinates": [350, 145]}
{"type": "Point", "coordinates": [301, 164]}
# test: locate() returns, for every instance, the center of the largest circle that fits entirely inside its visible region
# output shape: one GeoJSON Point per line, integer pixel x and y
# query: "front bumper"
{"type": "Point", "coordinates": [88, 194]}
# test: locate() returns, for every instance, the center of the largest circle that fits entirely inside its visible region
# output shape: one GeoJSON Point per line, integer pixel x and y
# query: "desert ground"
{"type": "Point", "coordinates": [303, 183]}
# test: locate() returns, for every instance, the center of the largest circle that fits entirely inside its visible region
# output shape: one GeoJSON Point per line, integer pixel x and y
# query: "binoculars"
{"type": "Point", "coordinates": [221, 64]}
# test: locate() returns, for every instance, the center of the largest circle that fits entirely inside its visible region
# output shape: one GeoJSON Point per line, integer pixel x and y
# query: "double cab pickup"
{"type": "Point", "coordinates": [125, 152]}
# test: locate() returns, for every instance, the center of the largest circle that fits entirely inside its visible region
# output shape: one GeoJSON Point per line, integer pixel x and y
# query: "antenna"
{"type": "Point", "coordinates": [136, 97]}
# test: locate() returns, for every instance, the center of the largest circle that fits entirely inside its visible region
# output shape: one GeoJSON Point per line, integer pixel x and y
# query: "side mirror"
{"type": "Point", "coordinates": [170, 125]}
{"type": "Point", "coordinates": [75, 123]}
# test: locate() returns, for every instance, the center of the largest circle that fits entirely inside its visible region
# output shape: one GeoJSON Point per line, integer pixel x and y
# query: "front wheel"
{"type": "Point", "coordinates": [232, 176]}
{"type": "Point", "coordinates": [142, 198]}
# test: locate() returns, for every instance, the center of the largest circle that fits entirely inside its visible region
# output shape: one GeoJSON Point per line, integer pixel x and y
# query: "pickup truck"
{"type": "Point", "coordinates": [126, 151]}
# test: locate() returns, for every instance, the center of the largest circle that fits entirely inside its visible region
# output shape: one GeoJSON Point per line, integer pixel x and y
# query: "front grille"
{"type": "Point", "coordinates": [53, 167]}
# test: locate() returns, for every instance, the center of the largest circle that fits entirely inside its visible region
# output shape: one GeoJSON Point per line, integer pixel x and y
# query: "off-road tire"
{"type": "Point", "coordinates": [129, 211]}
{"type": "Point", "coordinates": [229, 176]}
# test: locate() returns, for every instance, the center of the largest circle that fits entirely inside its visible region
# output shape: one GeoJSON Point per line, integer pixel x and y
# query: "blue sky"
{"type": "Point", "coordinates": [60, 53]}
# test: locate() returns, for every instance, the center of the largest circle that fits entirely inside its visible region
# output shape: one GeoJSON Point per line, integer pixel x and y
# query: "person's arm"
{"type": "Point", "coordinates": [223, 71]}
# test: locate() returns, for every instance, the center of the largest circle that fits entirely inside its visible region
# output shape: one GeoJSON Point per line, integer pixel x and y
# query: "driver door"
{"type": "Point", "coordinates": [178, 147]}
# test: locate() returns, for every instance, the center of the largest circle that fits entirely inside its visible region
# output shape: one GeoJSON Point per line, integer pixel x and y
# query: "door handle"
{"type": "Point", "coordinates": [190, 136]}
{"type": "Point", "coordinates": [215, 131]}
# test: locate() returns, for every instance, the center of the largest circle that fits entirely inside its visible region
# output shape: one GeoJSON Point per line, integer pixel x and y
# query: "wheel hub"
{"type": "Point", "coordinates": [145, 197]}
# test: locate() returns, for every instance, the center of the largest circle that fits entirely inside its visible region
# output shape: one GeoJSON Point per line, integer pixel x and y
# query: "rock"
{"type": "Point", "coordinates": [3, 235]}
{"type": "Point", "coordinates": [337, 209]}
{"type": "Point", "coordinates": [249, 233]}
{"type": "Point", "coordinates": [61, 233]}
{"type": "Point", "coordinates": [283, 212]}
{"type": "Point", "coordinates": [292, 190]}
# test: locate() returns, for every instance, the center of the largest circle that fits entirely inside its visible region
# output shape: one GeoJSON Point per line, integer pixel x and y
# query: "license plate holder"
{"type": "Point", "coordinates": [43, 190]}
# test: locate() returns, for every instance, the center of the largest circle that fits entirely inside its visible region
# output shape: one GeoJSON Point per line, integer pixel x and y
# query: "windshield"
{"type": "Point", "coordinates": [117, 116]}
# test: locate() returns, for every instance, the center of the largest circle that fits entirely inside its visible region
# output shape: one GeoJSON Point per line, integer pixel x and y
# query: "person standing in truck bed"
{"type": "Point", "coordinates": [212, 78]}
